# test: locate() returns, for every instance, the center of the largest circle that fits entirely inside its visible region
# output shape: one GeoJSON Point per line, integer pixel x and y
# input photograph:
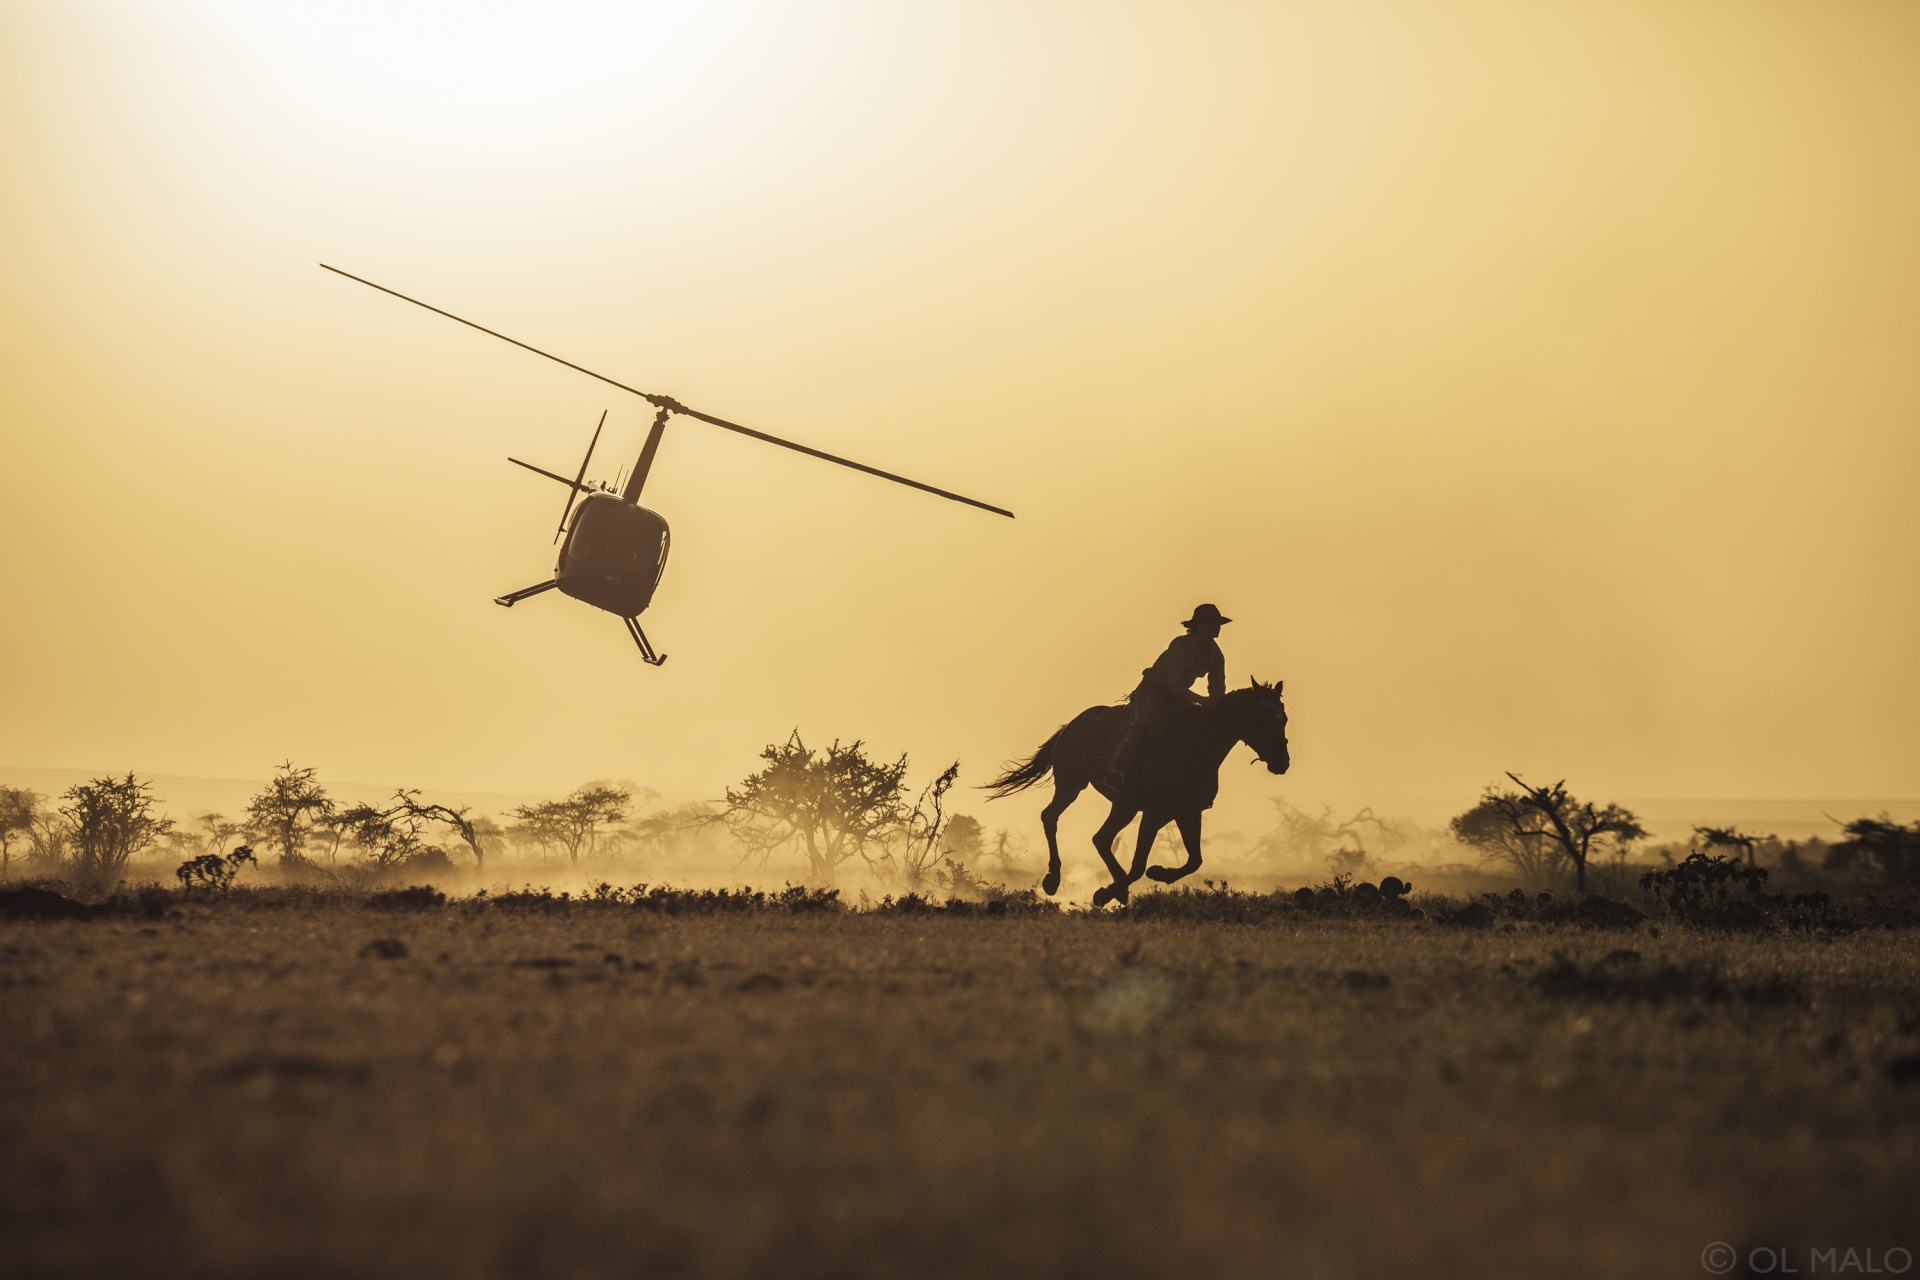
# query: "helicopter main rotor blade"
{"type": "Point", "coordinates": [845, 462]}
{"type": "Point", "coordinates": [668, 402]}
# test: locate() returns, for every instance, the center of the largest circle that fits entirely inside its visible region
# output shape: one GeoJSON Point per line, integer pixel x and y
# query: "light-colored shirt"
{"type": "Point", "coordinates": [1187, 659]}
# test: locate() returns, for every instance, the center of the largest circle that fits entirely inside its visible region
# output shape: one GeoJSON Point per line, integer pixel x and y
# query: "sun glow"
{"type": "Point", "coordinates": [471, 79]}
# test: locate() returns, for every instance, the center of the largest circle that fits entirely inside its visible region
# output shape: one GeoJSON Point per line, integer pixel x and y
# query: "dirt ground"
{"type": "Point", "coordinates": [303, 1085]}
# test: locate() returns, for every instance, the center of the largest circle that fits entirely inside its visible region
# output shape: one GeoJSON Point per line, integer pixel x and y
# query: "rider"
{"type": "Point", "coordinates": [1170, 680]}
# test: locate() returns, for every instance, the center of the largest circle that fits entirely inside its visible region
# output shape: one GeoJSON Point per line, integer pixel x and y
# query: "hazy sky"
{"type": "Point", "coordinates": [1537, 385]}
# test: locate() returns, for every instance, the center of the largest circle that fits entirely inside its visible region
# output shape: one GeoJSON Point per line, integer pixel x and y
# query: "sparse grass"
{"type": "Point", "coordinates": [301, 1082]}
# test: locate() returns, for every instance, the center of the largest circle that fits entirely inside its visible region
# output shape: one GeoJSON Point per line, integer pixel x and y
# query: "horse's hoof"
{"type": "Point", "coordinates": [1161, 875]}
{"type": "Point", "coordinates": [1050, 883]}
{"type": "Point", "coordinates": [1101, 897]}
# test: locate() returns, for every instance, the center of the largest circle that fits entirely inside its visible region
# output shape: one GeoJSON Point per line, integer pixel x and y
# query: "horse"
{"type": "Point", "coordinates": [1175, 779]}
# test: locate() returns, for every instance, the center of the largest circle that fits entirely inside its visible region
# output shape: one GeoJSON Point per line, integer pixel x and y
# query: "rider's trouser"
{"type": "Point", "coordinates": [1145, 705]}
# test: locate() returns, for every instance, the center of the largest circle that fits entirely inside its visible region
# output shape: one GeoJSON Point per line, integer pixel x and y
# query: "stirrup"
{"type": "Point", "coordinates": [1114, 781]}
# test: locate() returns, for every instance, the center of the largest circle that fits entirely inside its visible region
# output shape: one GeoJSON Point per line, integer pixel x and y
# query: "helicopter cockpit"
{"type": "Point", "coordinates": [614, 555]}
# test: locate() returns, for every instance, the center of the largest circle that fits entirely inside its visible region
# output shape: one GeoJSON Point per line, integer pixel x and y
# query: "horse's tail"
{"type": "Point", "coordinates": [1019, 777]}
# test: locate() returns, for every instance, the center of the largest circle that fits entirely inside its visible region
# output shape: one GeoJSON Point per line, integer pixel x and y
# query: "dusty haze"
{"type": "Point", "coordinates": [1535, 385]}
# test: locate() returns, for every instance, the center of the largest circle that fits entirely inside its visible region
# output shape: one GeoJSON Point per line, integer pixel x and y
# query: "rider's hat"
{"type": "Point", "coordinates": [1207, 613]}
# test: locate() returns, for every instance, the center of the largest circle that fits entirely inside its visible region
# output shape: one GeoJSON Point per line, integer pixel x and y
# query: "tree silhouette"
{"type": "Point", "coordinates": [388, 837]}
{"type": "Point", "coordinates": [111, 820]}
{"type": "Point", "coordinates": [1301, 836]}
{"type": "Point", "coordinates": [18, 808]}
{"type": "Point", "coordinates": [1729, 838]}
{"type": "Point", "coordinates": [289, 806]}
{"type": "Point", "coordinates": [1534, 826]}
{"type": "Point", "coordinates": [216, 830]}
{"type": "Point", "coordinates": [50, 838]}
{"type": "Point", "coordinates": [468, 829]}
{"type": "Point", "coordinates": [965, 840]}
{"type": "Point", "coordinates": [921, 849]}
{"type": "Point", "coordinates": [575, 822]}
{"type": "Point", "coordinates": [831, 805]}
{"type": "Point", "coordinates": [1891, 846]}
{"type": "Point", "coordinates": [1501, 827]}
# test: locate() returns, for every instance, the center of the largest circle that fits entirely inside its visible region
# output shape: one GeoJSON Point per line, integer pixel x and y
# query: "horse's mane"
{"type": "Point", "coordinates": [1255, 687]}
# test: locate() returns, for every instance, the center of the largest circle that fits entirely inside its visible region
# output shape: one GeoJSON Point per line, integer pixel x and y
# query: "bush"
{"type": "Point", "coordinates": [1592, 911]}
{"type": "Point", "coordinates": [419, 897]}
{"type": "Point", "coordinates": [1713, 892]}
{"type": "Point", "coordinates": [798, 899]}
{"type": "Point", "coordinates": [211, 871]}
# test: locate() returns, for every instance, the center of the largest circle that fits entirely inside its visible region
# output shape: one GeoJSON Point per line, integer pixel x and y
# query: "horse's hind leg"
{"type": "Point", "coordinates": [1063, 796]}
{"type": "Point", "coordinates": [1189, 825]}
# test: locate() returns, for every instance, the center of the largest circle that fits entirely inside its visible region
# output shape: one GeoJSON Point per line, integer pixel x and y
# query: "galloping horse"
{"type": "Point", "coordinates": [1174, 780]}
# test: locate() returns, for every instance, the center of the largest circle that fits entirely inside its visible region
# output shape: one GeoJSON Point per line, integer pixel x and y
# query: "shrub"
{"type": "Point", "coordinates": [1713, 892]}
{"type": "Point", "coordinates": [211, 871]}
{"type": "Point", "coordinates": [111, 820]}
{"type": "Point", "coordinates": [419, 897]}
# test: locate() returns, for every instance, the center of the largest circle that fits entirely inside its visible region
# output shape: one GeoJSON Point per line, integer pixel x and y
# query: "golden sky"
{"type": "Point", "coordinates": [1537, 385]}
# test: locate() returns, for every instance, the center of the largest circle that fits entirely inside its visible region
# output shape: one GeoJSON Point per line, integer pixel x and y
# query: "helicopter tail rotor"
{"type": "Point", "coordinates": [577, 486]}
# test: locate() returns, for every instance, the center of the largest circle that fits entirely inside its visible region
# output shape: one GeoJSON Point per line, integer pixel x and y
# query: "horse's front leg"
{"type": "Point", "coordinates": [1189, 825]}
{"type": "Point", "coordinates": [1150, 824]}
{"type": "Point", "coordinates": [1116, 822]}
{"type": "Point", "coordinates": [1050, 823]}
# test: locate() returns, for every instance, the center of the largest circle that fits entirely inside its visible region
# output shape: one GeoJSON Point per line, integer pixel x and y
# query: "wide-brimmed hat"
{"type": "Point", "coordinates": [1207, 613]}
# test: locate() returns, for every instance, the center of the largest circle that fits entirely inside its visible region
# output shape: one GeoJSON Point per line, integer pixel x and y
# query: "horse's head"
{"type": "Point", "coordinates": [1260, 721]}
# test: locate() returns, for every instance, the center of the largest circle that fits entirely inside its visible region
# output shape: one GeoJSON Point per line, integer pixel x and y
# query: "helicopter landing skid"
{"type": "Point", "coordinates": [647, 654]}
{"type": "Point", "coordinates": [513, 598]}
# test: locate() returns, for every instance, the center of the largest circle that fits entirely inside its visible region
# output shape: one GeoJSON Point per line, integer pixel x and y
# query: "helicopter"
{"type": "Point", "coordinates": [613, 551]}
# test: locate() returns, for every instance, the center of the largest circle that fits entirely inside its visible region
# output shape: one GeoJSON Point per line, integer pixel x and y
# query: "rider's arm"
{"type": "Point", "coordinates": [1168, 668]}
{"type": "Point", "coordinates": [1216, 673]}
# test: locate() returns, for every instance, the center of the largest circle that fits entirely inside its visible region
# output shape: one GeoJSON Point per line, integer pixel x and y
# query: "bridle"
{"type": "Point", "coordinates": [1259, 757]}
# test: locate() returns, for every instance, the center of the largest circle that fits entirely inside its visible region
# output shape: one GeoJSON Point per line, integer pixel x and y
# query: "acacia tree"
{"type": "Point", "coordinates": [467, 828]}
{"type": "Point", "coordinates": [659, 830]}
{"type": "Point", "coordinates": [1304, 837]}
{"type": "Point", "coordinates": [292, 804]}
{"type": "Point", "coordinates": [111, 819]}
{"type": "Point", "coordinates": [1729, 838]}
{"type": "Point", "coordinates": [216, 830]}
{"type": "Point", "coordinates": [536, 824]}
{"type": "Point", "coordinates": [18, 808]}
{"type": "Point", "coordinates": [1891, 846]}
{"type": "Point", "coordinates": [386, 837]}
{"type": "Point", "coordinates": [49, 839]}
{"type": "Point", "coordinates": [831, 805]}
{"type": "Point", "coordinates": [575, 823]}
{"type": "Point", "coordinates": [1534, 827]}
{"type": "Point", "coordinates": [1502, 828]}
{"type": "Point", "coordinates": [964, 839]}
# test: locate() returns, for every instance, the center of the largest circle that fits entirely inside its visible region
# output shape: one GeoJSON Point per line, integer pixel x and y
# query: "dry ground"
{"type": "Point", "coordinates": [248, 1088]}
